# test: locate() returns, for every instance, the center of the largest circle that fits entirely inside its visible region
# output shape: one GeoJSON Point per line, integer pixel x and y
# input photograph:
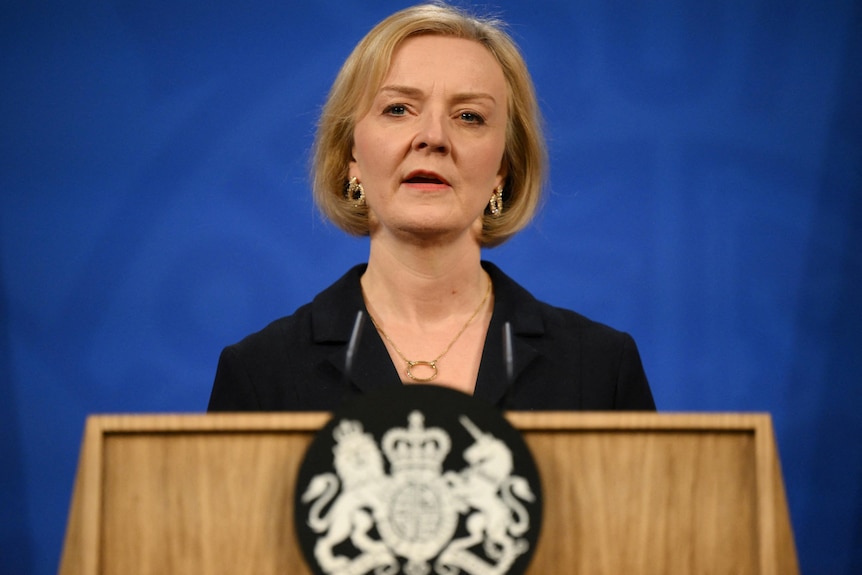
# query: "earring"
{"type": "Point", "coordinates": [355, 193]}
{"type": "Point", "coordinates": [496, 202]}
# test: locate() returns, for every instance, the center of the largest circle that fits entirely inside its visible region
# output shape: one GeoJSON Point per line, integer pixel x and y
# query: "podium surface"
{"type": "Point", "coordinates": [634, 493]}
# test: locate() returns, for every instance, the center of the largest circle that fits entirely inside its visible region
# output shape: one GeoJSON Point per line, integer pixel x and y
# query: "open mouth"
{"type": "Point", "coordinates": [426, 178]}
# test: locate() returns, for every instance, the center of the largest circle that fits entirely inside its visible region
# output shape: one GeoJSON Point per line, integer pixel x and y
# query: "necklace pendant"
{"type": "Point", "coordinates": [431, 364]}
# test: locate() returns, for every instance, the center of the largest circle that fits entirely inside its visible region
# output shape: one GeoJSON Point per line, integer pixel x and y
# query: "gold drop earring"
{"type": "Point", "coordinates": [496, 201]}
{"type": "Point", "coordinates": [355, 193]}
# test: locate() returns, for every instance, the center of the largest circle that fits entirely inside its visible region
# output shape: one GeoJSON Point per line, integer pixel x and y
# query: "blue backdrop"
{"type": "Point", "coordinates": [705, 196]}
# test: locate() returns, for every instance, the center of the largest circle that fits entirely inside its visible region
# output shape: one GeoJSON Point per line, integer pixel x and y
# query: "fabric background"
{"type": "Point", "coordinates": [705, 195]}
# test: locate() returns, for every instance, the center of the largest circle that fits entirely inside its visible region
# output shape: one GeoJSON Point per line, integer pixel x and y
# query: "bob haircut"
{"type": "Point", "coordinates": [351, 95]}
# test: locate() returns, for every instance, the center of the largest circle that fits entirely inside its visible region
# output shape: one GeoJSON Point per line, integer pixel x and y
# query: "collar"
{"type": "Point", "coordinates": [334, 314]}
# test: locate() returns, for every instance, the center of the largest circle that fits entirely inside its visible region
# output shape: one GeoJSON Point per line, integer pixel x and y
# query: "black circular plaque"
{"type": "Point", "coordinates": [418, 479]}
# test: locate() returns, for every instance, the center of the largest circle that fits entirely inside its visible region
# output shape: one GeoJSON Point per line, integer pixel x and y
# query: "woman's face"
{"type": "Point", "coordinates": [429, 151]}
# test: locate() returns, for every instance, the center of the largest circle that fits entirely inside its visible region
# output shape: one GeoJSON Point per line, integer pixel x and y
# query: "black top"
{"type": "Point", "coordinates": [562, 360]}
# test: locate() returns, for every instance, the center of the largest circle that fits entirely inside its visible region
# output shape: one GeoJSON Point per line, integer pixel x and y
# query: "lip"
{"type": "Point", "coordinates": [429, 175]}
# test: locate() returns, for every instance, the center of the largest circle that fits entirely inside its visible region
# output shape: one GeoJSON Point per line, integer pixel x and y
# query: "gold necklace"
{"type": "Point", "coordinates": [410, 364]}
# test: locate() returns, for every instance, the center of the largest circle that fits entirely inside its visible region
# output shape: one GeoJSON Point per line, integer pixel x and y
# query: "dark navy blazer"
{"type": "Point", "coordinates": [562, 360]}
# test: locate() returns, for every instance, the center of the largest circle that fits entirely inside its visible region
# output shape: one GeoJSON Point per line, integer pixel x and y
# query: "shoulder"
{"type": "Point", "coordinates": [575, 362]}
{"type": "Point", "coordinates": [323, 319]}
{"type": "Point", "coordinates": [561, 321]}
{"type": "Point", "coordinates": [274, 338]}
{"type": "Point", "coordinates": [534, 316]}
{"type": "Point", "coordinates": [286, 365]}
{"type": "Point", "coordinates": [251, 372]}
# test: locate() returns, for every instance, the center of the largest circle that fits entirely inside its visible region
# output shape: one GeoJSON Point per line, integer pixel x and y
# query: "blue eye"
{"type": "Point", "coordinates": [395, 110]}
{"type": "Point", "coordinates": [472, 118]}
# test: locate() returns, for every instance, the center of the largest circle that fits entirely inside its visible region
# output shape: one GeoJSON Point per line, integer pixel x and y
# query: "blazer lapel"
{"type": "Point", "coordinates": [334, 316]}
{"type": "Point", "coordinates": [516, 306]}
{"type": "Point", "coordinates": [372, 367]}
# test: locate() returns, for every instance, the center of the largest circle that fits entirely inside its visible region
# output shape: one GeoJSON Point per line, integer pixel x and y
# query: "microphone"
{"type": "Point", "coordinates": [508, 354]}
{"type": "Point", "coordinates": [352, 345]}
{"type": "Point", "coordinates": [509, 362]}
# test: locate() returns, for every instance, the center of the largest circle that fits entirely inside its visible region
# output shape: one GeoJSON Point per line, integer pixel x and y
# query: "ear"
{"type": "Point", "coordinates": [502, 174]}
{"type": "Point", "coordinates": [500, 180]}
{"type": "Point", "coordinates": [353, 170]}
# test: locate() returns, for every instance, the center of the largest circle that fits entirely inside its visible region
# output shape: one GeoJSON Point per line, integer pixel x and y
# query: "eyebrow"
{"type": "Point", "coordinates": [411, 92]}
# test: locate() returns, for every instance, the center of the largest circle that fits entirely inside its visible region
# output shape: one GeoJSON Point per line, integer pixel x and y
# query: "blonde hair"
{"type": "Point", "coordinates": [524, 158]}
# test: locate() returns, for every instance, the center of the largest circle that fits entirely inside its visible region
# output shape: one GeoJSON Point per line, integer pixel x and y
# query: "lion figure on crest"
{"type": "Point", "coordinates": [359, 466]}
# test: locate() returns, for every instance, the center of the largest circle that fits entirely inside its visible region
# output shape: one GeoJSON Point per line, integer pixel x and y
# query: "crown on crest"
{"type": "Point", "coordinates": [346, 429]}
{"type": "Point", "coordinates": [350, 436]}
{"type": "Point", "coordinates": [414, 447]}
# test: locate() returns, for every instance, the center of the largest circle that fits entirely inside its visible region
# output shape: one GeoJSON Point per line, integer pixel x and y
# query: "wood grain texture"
{"type": "Point", "coordinates": [624, 493]}
{"type": "Point", "coordinates": [649, 502]}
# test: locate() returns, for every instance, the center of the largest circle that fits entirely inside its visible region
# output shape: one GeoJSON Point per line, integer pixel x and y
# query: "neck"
{"type": "Point", "coordinates": [423, 284]}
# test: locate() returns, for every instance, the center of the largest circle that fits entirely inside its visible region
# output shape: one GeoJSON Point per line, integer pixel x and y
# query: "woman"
{"type": "Point", "coordinates": [430, 144]}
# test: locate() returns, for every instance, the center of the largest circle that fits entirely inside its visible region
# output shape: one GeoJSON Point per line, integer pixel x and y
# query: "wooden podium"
{"type": "Point", "coordinates": [625, 493]}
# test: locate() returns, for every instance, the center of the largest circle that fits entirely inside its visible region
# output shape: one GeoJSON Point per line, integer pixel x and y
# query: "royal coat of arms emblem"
{"type": "Point", "coordinates": [420, 517]}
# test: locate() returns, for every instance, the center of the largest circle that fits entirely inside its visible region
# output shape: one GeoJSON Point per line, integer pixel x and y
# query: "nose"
{"type": "Point", "coordinates": [432, 134]}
